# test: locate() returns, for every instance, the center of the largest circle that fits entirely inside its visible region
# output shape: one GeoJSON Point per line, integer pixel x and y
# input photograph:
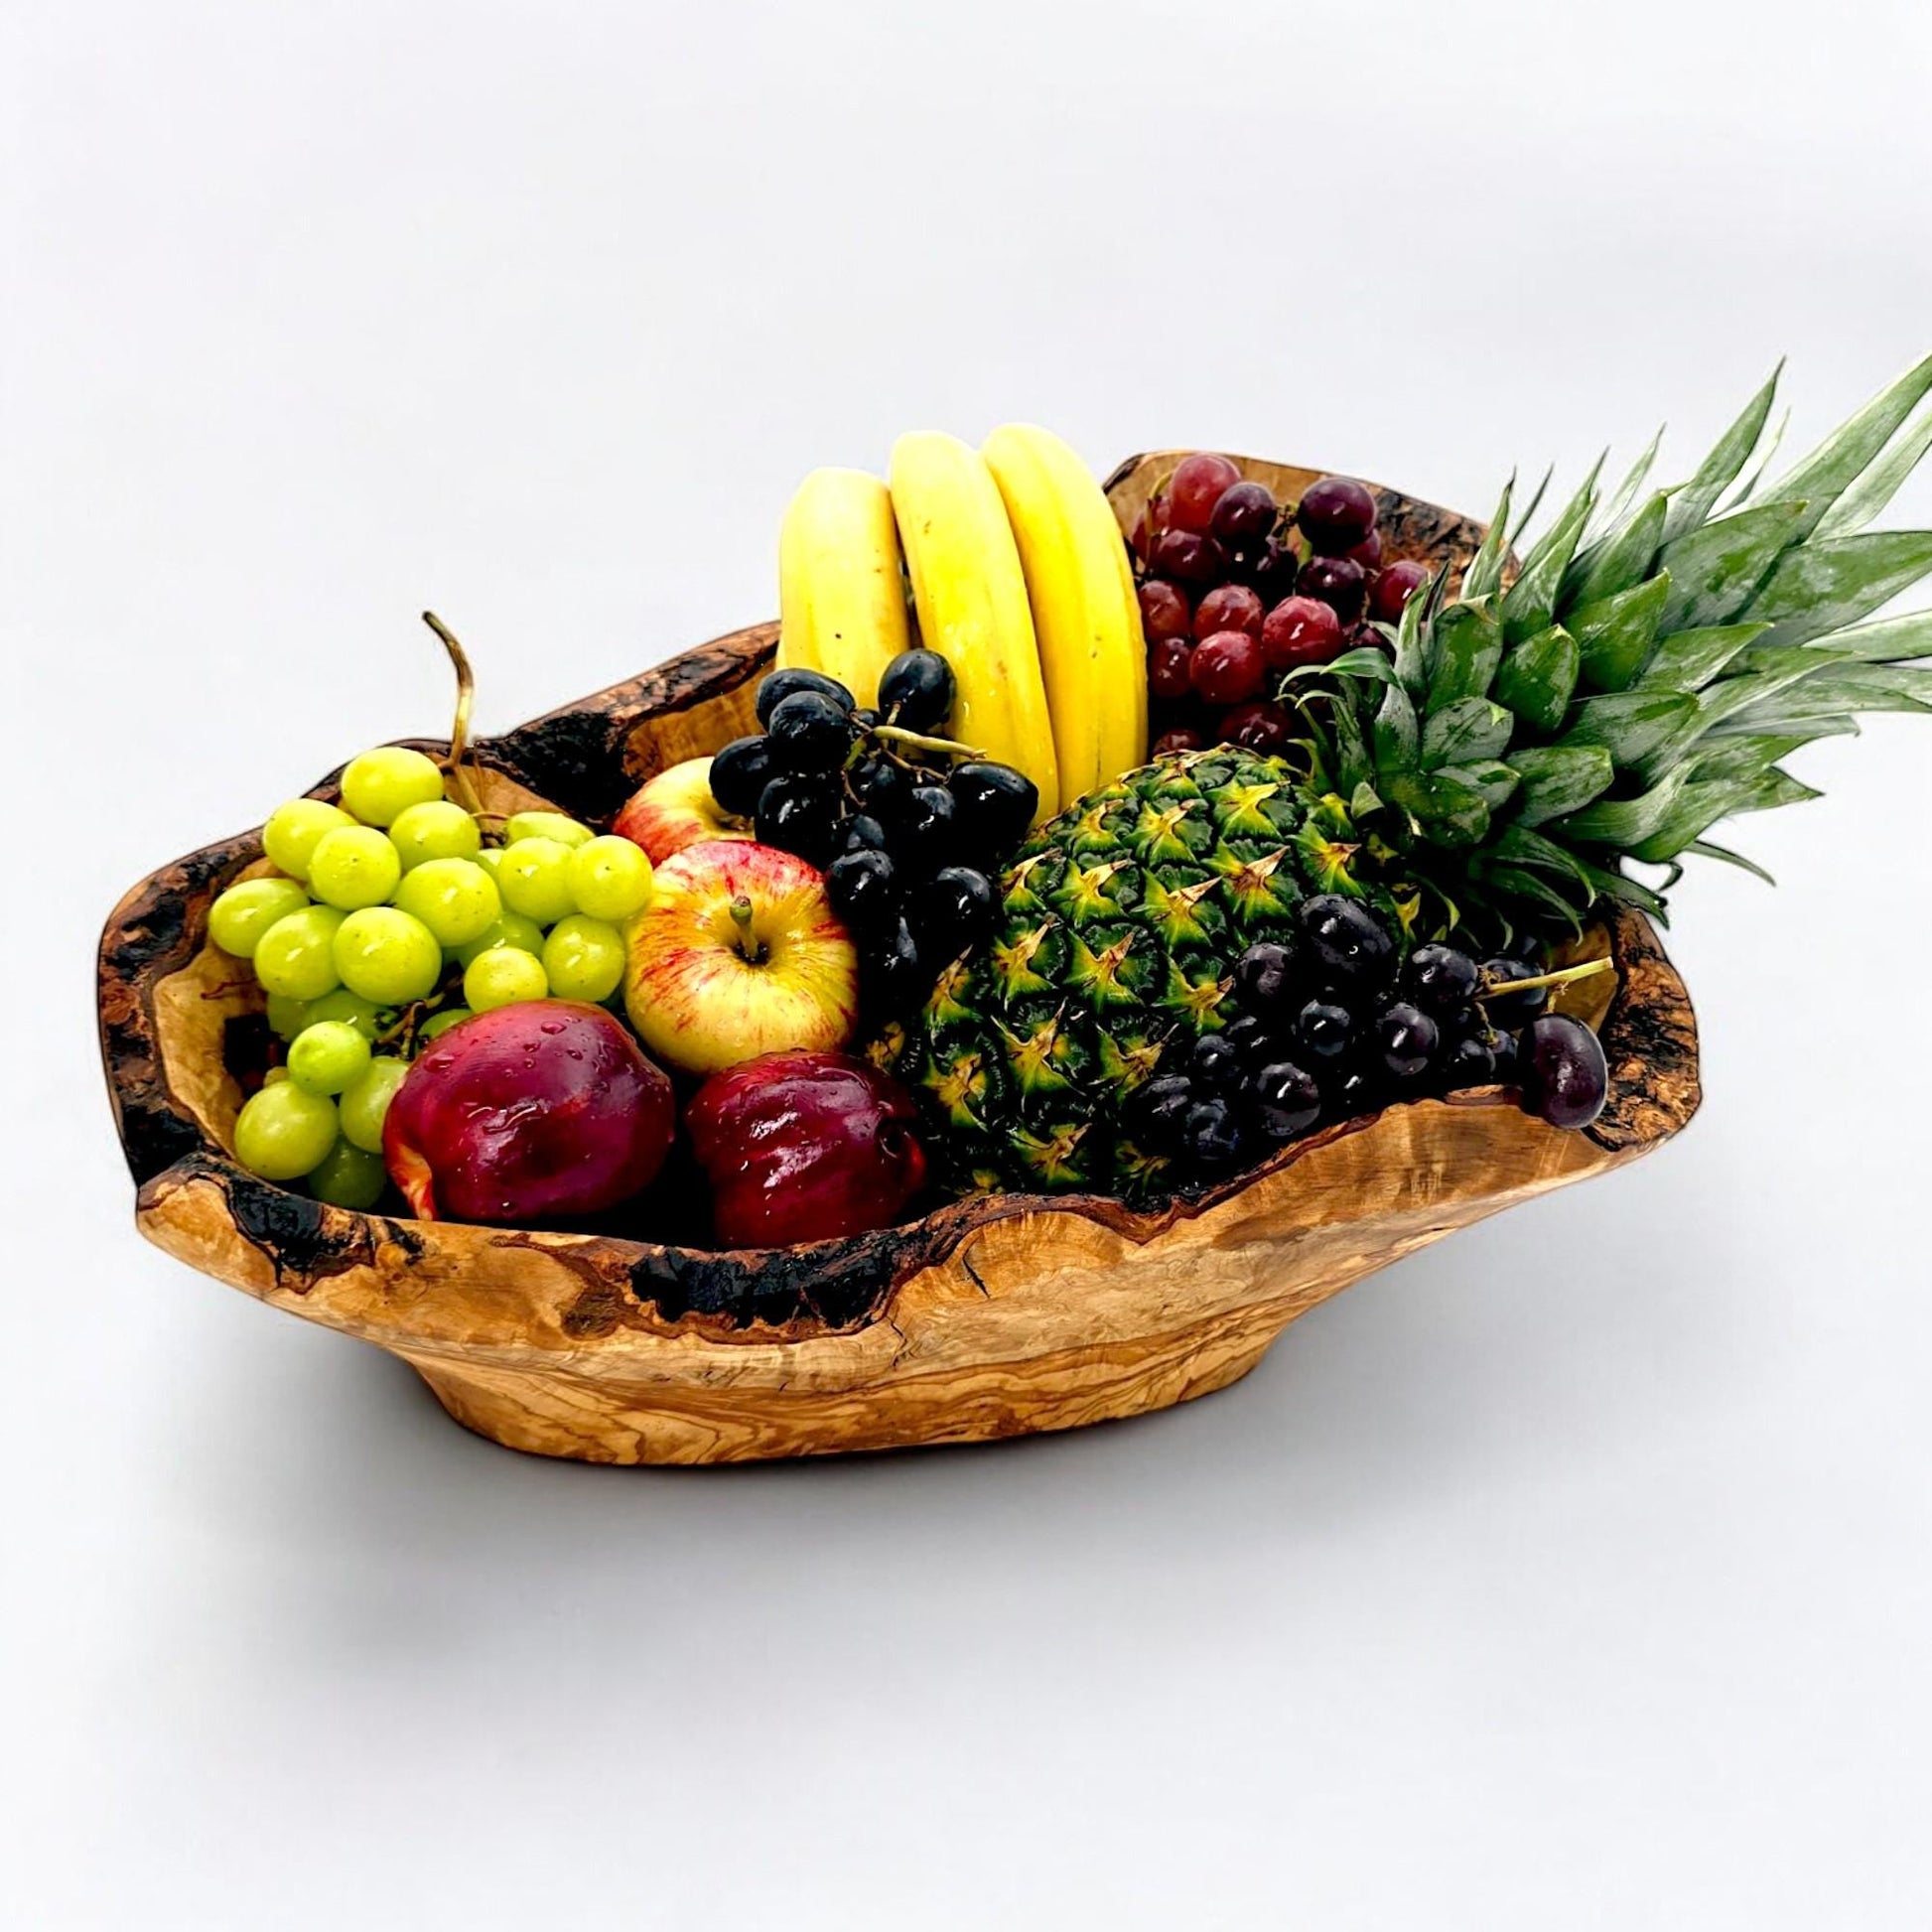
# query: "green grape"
{"type": "Point", "coordinates": [296, 955]}
{"type": "Point", "coordinates": [364, 1016]}
{"type": "Point", "coordinates": [295, 830]}
{"type": "Point", "coordinates": [535, 880]}
{"type": "Point", "coordinates": [365, 1105]}
{"type": "Point", "coordinates": [437, 829]}
{"type": "Point", "coordinates": [349, 1177]}
{"type": "Point", "coordinates": [352, 866]}
{"type": "Point", "coordinates": [383, 784]}
{"type": "Point", "coordinates": [610, 878]}
{"type": "Point", "coordinates": [239, 918]}
{"type": "Point", "coordinates": [455, 898]}
{"type": "Point", "coordinates": [282, 1131]}
{"type": "Point", "coordinates": [273, 1074]}
{"type": "Point", "coordinates": [544, 825]}
{"type": "Point", "coordinates": [385, 954]}
{"type": "Point", "coordinates": [507, 929]}
{"type": "Point", "coordinates": [438, 1024]}
{"type": "Point", "coordinates": [583, 958]}
{"type": "Point", "coordinates": [502, 977]}
{"type": "Point", "coordinates": [286, 1016]}
{"type": "Point", "coordinates": [328, 1056]}
{"type": "Point", "coordinates": [489, 858]}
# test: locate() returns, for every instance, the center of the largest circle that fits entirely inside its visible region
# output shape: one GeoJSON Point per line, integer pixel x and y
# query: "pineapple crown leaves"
{"type": "Point", "coordinates": [1644, 675]}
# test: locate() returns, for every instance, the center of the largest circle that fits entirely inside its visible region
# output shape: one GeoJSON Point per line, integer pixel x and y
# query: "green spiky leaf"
{"type": "Point", "coordinates": [1622, 558]}
{"type": "Point", "coordinates": [1835, 582]}
{"type": "Point", "coordinates": [1881, 482]}
{"type": "Point", "coordinates": [1559, 779]}
{"type": "Point", "coordinates": [1716, 568]}
{"type": "Point", "coordinates": [1626, 495]}
{"type": "Point", "coordinates": [1631, 725]}
{"type": "Point", "coordinates": [1688, 660]}
{"type": "Point", "coordinates": [1884, 640]}
{"type": "Point", "coordinates": [1496, 781]}
{"type": "Point", "coordinates": [1538, 677]}
{"type": "Point", "coordinates": [1720, 469]}
{"type": "Point", "coordinates": [1464, 648]}
{"type": "Point", "coordinates": [1396, 734]}
{"type": "Point", "coordinates": [1625, 823]}
{"type": "Point", "coordinates": [1703, 849]}
{"type": "Point", "coordinates": [1469, 729]}
{"type": "Point", "coordinates": [1615, 634]}
{"type": "Point", "coordinates": [1530, 604]}
{"type": "Point", "coordinates": [1484, 576]}
{"type": "Point", "coordinates": [1443, 810]}
{"type": "Point", "coordinates": [1837, 463]}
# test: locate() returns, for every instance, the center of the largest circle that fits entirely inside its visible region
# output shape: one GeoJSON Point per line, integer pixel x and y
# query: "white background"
{"type": "Point", "coordinates": [1576, 1574]}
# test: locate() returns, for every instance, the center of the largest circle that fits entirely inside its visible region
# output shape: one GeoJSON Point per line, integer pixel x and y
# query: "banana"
{"type": "Point", "coordinates": [971, 596]}
{"type": "Point", "coordinates": [841, 594]}
{"type": "Point", "coordinates": [1085, 615]}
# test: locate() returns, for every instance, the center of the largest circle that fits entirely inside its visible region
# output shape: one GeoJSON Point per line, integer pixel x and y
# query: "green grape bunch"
{"type": "Point", "coordinates": [388, 919]}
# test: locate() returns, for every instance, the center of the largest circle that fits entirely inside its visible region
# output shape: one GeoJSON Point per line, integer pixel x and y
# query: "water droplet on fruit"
{"type": "Point", "coordinates": [551, 1026]}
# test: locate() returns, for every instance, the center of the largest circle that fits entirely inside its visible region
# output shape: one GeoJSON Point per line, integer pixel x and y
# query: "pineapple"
{"type": "Point", "coordinates": [1121, 922]}
{"type": "Point", "coordinates": [1492, 774]}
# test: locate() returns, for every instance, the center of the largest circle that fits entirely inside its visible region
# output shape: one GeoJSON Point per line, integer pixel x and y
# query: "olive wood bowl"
{"type": "Point", "coordinates": [985, 1318]}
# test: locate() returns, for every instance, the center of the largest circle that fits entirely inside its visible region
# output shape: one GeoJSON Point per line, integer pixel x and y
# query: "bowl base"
{"type": "Point", "coordinates": [544, 1415]}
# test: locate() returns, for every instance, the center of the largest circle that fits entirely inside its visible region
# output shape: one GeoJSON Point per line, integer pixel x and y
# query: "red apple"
{"type": "Point", "coordinates": [804, 1146]}
{"type": "Point", "coordinates": [675, 809]}
{"type": "Point", "coordinates": [739, 953]}
{"type": "Point", "coordinates": [526, 1113]}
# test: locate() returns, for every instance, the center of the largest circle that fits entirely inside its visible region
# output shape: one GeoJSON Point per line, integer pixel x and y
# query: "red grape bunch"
{"type": "Point", "coordinates": [1236, 593]}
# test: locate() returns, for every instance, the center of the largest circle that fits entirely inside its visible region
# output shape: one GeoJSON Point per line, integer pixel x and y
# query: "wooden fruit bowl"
{"type": "Point", "coordinates": [985, 1318]}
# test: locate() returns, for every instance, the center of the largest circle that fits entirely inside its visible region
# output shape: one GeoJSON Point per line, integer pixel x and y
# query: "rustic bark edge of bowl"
{"type": "Point", "coordinates": [985, 1318]}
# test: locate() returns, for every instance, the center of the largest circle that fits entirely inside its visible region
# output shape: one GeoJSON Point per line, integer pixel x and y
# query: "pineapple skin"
{"type": "Point", "coordinates": [1121, 924]}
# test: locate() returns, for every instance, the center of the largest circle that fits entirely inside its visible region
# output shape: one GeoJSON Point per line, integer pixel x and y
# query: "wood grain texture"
{"type": "Point", "coordinates": [985, 1318]}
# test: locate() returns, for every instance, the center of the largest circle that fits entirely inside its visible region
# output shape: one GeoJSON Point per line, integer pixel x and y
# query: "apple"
{"type": "Point", "coordinates": [804, 1146]}
{"type": "Point", "coordinates": [525, 1113]}
{"type": "Point", "coordinates": [739, 953]}
{"type": "Point", "coordinates": [674, 810]}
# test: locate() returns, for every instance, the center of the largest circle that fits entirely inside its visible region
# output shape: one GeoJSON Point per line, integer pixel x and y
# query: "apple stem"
{"type": "Point", "coordinates": [1567, 976]}
{"type": "Point", "coordinates": [742, 910]}
{"type": "Point", "coordinates": [898, 734]}
{"type": "Point", "coordinates": [460, 780]}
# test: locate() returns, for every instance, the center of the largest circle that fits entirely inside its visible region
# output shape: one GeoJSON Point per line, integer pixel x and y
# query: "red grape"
{"type": "Point", "coordinates": [1183, 738]}
{"type": "Point", "coordinates": [1335, 514]}
{"type": "Point", "coordinates": [1167, 667]}
{"type": "Point", "coordinates": [1245, 514]}
{"type": "Point", "coordinates": [1231, 608]}
{"type": "Point", "coordinates": [1300, 631]}
{"type": "Point", "coordinates": [1193, 558]}
{"type": "Point", "coordinates": [1197, 488]}
{"type": "Point", "coordinates": [1368, 553]}
{"type": "Point", "coordinates": [1274, 572]}
{"type": "Point", "coordinates": [1393, 587]}
{"type": "Point", "coordinates": [1227, 668]}
{"type": "Point", "coordinates": [1149, 525]}
{"type": "Point", "coordinates": [1259, 727]}
{"type": "Point", "coordinates": [1336, 580]}
{"type": "Point", "coordinates": [1163, 609]}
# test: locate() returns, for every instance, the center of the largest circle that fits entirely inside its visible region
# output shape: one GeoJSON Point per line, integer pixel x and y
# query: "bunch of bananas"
{"type": "Point", "coordinates": [1018, 578]}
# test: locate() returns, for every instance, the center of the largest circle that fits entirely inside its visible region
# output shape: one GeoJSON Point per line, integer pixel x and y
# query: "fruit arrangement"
{"type": "Point", "coordinates": [945, 925]}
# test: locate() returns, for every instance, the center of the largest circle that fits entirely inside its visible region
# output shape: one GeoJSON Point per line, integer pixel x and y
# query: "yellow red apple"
{"type": "Point", "coordinates": [674, 810]}
{"type": "Point", "coordinates": [739, 953]}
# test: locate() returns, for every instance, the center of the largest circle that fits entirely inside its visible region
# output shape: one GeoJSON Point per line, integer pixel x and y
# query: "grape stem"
{"type": "Point", "coordinates": [460, 780]}
{"type": "Point", "coordinates": [1567, 976]}
{"type": "Point", "coordinates": [898, 734]}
